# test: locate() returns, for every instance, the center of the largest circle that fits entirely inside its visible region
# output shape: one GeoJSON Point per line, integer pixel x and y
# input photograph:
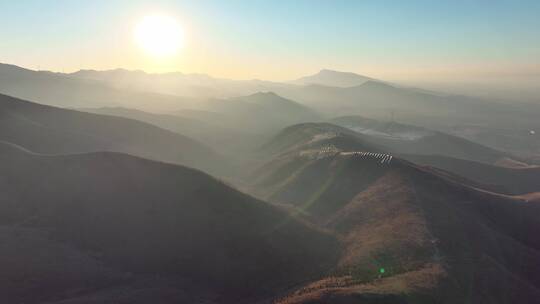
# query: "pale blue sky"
{"type": "Point", "coordinates": [282, 39]}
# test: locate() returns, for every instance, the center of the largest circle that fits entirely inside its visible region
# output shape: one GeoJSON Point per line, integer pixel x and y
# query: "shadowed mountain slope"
{"type": "Point", "coordinates": [120, 221]}
{"type": "Point", "coordinates": [233, 126]}
{"type": "Point", "coordinates": [207, 129]}
{"type": "Point", "coordinates": [51, 130]}
{"type": "Point", "coordinates": [262, 111]}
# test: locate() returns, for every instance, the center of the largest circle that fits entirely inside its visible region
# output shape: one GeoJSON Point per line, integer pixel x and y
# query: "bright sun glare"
{"type": "Point", "coordinates": [159, 36]}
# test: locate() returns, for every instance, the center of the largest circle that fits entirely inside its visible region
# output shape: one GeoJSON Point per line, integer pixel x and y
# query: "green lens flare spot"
{"type": "Point", "coordinates": [381, 270]}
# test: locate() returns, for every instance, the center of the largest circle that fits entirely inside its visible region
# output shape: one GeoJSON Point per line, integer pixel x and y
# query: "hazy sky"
{"type": "Point", "coordinates": [278, 40]}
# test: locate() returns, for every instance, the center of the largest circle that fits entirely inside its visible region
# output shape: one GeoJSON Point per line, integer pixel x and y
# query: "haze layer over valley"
{"type": "Point", "coordinates": [136, 166]}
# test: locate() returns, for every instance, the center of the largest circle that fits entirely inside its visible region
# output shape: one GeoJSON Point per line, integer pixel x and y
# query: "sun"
{"type": "Point", "coordinates": [159, 36]}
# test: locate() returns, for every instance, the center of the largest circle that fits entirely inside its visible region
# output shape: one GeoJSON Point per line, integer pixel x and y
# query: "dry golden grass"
{"type": "Point", "coordinates": [530, 197]}
{"type": "Point", "coordinates": [383, 220]}
{"type": "Point", "coordinates": [510, 163]}
{"type": "Point", "coordinates": [381, 228]}
{"type": "Point", "coordinates": [424, 278]}
{"type": "Point", "coordinates": [413, 234]}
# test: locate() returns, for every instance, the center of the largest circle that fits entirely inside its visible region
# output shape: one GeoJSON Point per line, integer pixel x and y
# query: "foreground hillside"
{"type": "Point", "coordinates": [410, 234]}
{"type": "Point", "coordinates": [51, 130]}
{"type": "Point", "coordinates": [112, 228]}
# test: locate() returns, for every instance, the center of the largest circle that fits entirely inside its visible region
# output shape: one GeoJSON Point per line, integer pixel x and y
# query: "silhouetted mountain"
{"type": "Point", "coordinates": [198, 86]}
{"type": "Point", "coordinates": [51, 130]}
{"type": "Point", "coordinates": [64, 91]}
{"type": "Point", "coordinates": [107, 228]}
{"type": "Point", "coordinates": [180, 84]}
{"type": "Point", "coordinates": [333, 79]}
{"type": "Point", "coordinates": [411, 235]}
{"type": "Point", "coordinates": [377, 99]}
{"type": "Point", "coordinates": [276, 105]}
{"type": "Point", "coordinates": [371, 98]}
{"type": "Point", "coordinates": [265, 109]}
{"type": "Point", "coordinates": [211, 128]}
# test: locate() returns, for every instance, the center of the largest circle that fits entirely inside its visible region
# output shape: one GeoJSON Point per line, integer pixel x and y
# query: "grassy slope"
{"type": "Point", "coordinates": [438, 240]}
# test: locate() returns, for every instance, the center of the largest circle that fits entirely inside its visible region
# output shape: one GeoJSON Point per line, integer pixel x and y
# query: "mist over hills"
{"type": "Point", "coordinates": [316, 136]}
{"type": "Point", "coordinates": [51, 130]}
{"type": "Point", "coordinates": [263, 110]}
{"type": "Point", "coordinates": [378, 99]}
{"type": "Point", "coordinates": [208, 130]}
{"type": "Point", "coordinates": [495, 123]}
{"type": "Point", "coordinates": [233, 126]}
{"type": "Point", "coordinates": [359, 191]}
{"type": "Point", "coordinates": [408, 139]}
{"type": "Point", "coordinates": [499, 124]}
{"type": "Point", "coordinates": [356, 133]}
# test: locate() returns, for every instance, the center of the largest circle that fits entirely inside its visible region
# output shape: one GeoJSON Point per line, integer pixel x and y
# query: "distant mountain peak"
{"type": "Point", "coordinates": [330, 71]}
{"type": "Point", "coordinates": [332, 78]}
{"type": "Point", "coordinates": [271, 101]}
{"type": "Point", "coordinates": [113, 72]}
{"type": "Point", "coordinates": [377, 84]}
{"type": "Point", "coordinates": [265, 94]}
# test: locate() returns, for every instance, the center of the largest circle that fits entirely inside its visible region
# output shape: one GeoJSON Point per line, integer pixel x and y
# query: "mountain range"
{"type": "Point", "coordinates": [499, 124]}
{"type": "Point", "coordinates": [130, 187]}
